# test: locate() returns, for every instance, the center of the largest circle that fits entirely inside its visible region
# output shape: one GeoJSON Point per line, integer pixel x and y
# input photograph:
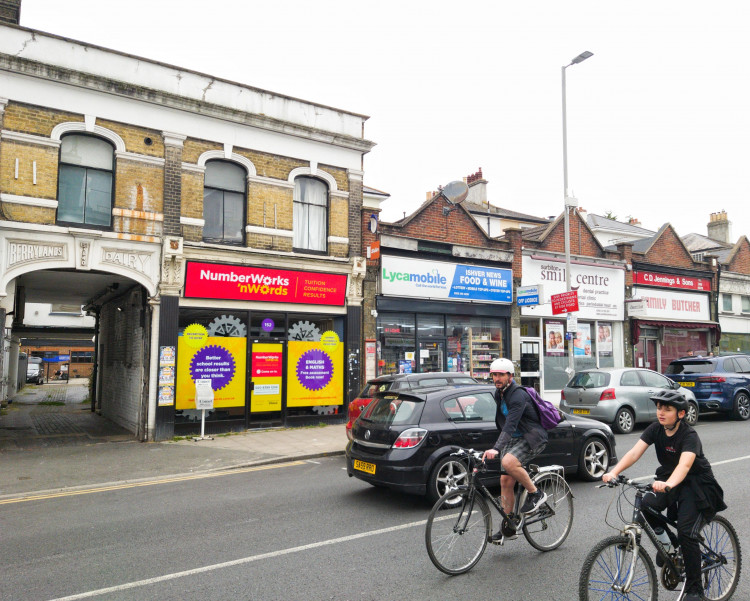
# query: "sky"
{"type": "Point", "coordinates": [658, 119]}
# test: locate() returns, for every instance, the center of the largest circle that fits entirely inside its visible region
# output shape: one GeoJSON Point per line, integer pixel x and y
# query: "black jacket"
{"type": "Point", "coordinates": [522, 416]}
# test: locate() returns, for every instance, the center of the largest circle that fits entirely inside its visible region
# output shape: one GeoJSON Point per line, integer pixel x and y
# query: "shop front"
{"type": "Point", "coordinates": [270, 340]}
{"type": "Point", "coordinates": [671, 318]}
{"type": "Point", "coordinates": [441, 316]}
{"type": "Point", "coordinates": [597, 333]}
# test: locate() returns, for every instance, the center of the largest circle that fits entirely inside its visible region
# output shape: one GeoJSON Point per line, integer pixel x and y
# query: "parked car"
{"type": "Point", "coordinates": [34, 371]}
{"type": "Point", "coordinates": [620, 396]}
{"type": "Point", "coordinates": [404, 440]}
{"type": "Point", "coordinates": [718, 383]}
{"type": "Point", "coordinates": [403, 382]}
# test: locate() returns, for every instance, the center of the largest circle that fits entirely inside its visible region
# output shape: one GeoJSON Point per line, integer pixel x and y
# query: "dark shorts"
{"type": "Point", "coordinates": [520, 449]}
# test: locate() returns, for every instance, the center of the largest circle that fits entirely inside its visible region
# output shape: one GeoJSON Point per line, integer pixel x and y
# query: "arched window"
{"type": "Point", "coordinates": [85, 181]}
{"type": "Point", "coordinates": [224, 203]}
{"type": "Point", "coordinates": [310, 215]}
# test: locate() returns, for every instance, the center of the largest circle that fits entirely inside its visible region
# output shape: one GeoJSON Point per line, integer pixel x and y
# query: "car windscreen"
{"type": "Point", "coordinates": [589, 379]}
{"type": "Point", "coordinates": [393, 411]}
{"type": "Point", "coordinates": [690, 367]}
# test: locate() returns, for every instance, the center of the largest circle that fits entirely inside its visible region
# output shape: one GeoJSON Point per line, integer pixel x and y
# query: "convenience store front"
{"type": "Point", "coordinates": [440, 316]}
{"type": "Point", "coordinates": [598, 336]}
{"type": "Point", "coordinates": [270, 340]}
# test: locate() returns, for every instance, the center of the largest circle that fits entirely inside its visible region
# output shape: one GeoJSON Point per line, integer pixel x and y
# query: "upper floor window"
{"type": "Point", "coordinates": [310, 215]}
{"type": "Point", "coordinates": [224, 203]}
{"type": "Point", "coordinates": [726, 302]}
{"type": "Point", "coordinates": [746, 304]}
{"type": "Point", "coordinates": [85, 181]}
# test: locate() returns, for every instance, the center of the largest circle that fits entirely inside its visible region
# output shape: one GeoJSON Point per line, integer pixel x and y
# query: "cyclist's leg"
{"type": "Point", "coordinates": [689, 523]}
{"type": "Point", "coordinates": [516, 454]}
{"type": "Point", "coordinates": [507, 484]}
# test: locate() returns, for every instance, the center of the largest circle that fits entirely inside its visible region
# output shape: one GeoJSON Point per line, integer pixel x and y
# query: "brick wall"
{"type": "Point", "coordinates": [740, 262]}
{"type": "Point", "coordinates": [669, 250]}
{"type": "Point", "coordinates": [582, 241]}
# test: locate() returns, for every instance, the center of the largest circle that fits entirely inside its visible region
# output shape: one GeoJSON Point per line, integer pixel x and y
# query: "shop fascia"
{"type": "Point", "coordinates": [601, 287]}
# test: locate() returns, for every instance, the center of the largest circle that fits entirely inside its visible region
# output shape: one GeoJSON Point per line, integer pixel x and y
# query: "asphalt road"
{"type": "Point", "coordinates": [300, 531]}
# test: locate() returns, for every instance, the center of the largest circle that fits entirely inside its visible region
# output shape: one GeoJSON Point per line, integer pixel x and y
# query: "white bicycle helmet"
{"type": "Point", "coordinates": [502, 366]}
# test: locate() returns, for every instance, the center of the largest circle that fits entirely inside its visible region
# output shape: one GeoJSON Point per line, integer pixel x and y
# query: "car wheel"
{"type": "Point", "coordinates": [594, 460]}
{"type": "Point", "coordinates": [624, 421]}
{"type": "Point", "coordinates": [448, 474]}
{"type": "Point", "coordinates": [742, 406]}
{"type": "Point", "coordinates": [691, 415]}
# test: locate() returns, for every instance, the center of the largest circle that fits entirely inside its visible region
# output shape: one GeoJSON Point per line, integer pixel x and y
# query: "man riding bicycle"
{"type": "Point", "coordinates": [684, 478]}
{"type": "Point", "coordinates": [522, 438]}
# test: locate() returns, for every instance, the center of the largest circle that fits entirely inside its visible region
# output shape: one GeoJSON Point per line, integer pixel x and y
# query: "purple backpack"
{"type": "Point", "coordinates": [549, 416]}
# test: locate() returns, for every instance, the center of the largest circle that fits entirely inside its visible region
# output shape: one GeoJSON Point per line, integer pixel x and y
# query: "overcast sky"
{"type": "Point", "coordinates": [658, 118]}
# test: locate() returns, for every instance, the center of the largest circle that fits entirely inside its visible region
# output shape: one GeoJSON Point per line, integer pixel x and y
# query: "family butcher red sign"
{"type": "Point", "coordinates": [239, 282]}
{"type": "Point", "coordinates": [666, 280]}
{"type": "Point", "coordinates": [564, 302]}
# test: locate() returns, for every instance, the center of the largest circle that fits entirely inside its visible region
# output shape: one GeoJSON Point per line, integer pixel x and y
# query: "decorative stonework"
{"type": "Point", "coordinates": [356, 280]}
{"type": "Point", "coordinates": [130, 259]}
{"type": "Point", "coordinates": [21, 252]}
{"type": "Point", "coordinates": [171, 266]}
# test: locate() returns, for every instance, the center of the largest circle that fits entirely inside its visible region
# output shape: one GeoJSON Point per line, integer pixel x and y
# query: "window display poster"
{"type": "Point", "coordinates": [315, 373]}
{"type": "Point", "coordinates": [265, 370]}
{"type": "Point", "coordinates": [604, 338]}
{"type": "Point", "coordinates": [555, 331]}
{"type": "Point", "coordinates": [582, 342]}
{"type": "Point", "coordinates": [220, 359]}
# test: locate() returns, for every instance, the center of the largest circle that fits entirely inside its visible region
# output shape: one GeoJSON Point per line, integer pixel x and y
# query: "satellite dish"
{"type": "Point", "coordinates": [455, 192]}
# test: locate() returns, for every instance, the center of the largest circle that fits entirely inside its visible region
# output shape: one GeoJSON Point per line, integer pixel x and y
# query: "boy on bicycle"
{"type": "Point", "coordinates": [684, 478]}
{"type": "Point", "coordinates": [522, 438]}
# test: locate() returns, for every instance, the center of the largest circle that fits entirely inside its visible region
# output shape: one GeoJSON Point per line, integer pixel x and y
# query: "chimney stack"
{"type": "Point", "coordinates": [719, 227]}
{"type": "Point", "coordinates": [634, 221]}
{"type": "Point", "coordinates": [10, 11]}
{"type": "Point", "coordinates": [477, 189]}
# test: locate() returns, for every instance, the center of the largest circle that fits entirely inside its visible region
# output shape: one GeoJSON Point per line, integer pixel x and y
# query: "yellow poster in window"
{"type": "Point", "coordinates": [222, 360]}
{"type": "Point", "coordinates": [315, 373]}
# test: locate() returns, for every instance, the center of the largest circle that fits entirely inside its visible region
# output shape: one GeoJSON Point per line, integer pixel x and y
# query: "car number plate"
{"type": "Point", "coordinates": [582, 411]}
{"type": "Point", "coordinates": [363, 466]}
{"type": "Point", "coordinates": [687, 384]}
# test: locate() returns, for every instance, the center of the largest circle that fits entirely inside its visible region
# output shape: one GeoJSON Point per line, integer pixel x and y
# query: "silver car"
{"type": "Point", "coordinates": [620, 396]}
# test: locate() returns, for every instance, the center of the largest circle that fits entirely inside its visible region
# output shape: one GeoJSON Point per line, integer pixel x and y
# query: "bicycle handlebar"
{"type": "Point", "coordinates": [620, 479]}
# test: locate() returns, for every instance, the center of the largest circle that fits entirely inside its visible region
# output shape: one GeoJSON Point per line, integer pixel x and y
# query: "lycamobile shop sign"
{"type": "Point", "coordinates": [437, 280]}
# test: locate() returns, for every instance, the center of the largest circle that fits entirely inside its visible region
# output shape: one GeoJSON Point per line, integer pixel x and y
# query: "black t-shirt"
{"type": "Point", "coordinates": [669, 448]}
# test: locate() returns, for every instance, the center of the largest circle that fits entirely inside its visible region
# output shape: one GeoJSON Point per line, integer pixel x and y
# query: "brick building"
{"type": "Point", "coordinates": [212, 228]}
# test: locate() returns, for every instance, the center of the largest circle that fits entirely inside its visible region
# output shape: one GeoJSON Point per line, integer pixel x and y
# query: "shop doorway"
{"type": "Point", "coordinates": [431, 355]}
{"type": "Point", "coordinates": [647, 354]}
{"type": "Point", "coordinates": [530, 370]}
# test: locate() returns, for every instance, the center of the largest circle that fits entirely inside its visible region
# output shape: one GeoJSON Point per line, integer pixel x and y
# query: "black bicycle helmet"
{"type": "Point", "coordinates": [670, 397]}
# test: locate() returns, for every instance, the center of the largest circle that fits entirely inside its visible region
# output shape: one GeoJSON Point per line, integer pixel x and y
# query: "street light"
{"type": "Point", "coordinates": [569, 200]}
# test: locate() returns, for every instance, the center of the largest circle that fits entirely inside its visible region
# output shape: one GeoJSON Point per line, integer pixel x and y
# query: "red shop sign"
{"type": "Point", "coordinates": [239, 282]}
{"type": "Point", "coordinates": [665, 280]}
{"type": "Point", "coordinates": [564, 302]}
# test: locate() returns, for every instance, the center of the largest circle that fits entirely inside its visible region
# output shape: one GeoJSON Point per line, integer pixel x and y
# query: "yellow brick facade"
{"type": "Point", "coordinates": [46, 170]}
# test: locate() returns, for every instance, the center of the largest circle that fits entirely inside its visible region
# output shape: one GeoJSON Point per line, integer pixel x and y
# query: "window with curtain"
{"type": "Point", "coordinates": [310, 215]}
{"type": "Point", "coordinates": [224, 203]}
{"type": "Point", "coordinates": [726, 303]}
{"type": "Point", "coordinates": [84, 194]}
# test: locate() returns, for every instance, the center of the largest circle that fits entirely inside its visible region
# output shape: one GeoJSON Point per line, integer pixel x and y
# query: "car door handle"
{"type": "Point", "coordinates": [473, 435]}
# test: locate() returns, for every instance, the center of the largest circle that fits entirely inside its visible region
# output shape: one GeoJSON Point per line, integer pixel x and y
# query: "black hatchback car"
{"type": "Point", "coordinates": [719, 383]}
{"type": "Point", "coordinates": [404, 440]}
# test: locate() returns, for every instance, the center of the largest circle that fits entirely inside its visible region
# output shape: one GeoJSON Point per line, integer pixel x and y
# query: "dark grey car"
{"type": "Point", "coordinates": [620, 396]}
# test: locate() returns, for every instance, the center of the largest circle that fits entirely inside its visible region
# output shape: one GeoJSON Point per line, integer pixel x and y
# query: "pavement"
{"type": "Point", "coordinates": [51, 441]}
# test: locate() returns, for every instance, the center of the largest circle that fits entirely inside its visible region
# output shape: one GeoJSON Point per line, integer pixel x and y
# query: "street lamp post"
{"type": "Point", "coordinates": [570, 201]}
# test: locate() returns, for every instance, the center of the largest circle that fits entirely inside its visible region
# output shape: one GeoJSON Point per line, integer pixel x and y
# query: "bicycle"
{"type": "Point", "coordinates": [460, 523]}
{"type": "Point", "coordinates": [619, 569]}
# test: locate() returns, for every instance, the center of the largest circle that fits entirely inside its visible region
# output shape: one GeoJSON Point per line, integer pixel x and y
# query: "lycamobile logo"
{"type": "Point", "coordinates": [424, 278]}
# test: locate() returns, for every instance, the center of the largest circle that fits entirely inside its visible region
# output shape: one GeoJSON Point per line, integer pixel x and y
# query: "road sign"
{"type": "Point", "coordinates": [564, 302]}
{"type": "Point", "coordinates": [529, 295]}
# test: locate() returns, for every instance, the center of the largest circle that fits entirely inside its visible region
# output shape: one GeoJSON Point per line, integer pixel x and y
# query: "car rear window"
{"type": "Point", "coordinates": [371, 389]}
{"type": "Point", "coordinates": [428, 382]}
{"type": "Point", "coordinates": [463, 381]}
{"type": "Point", "coordinates": [589, 379]}
{"type": "Point", "coordinates": [690, 367]}
{"type": "Point", "coordinates": [393, 411]}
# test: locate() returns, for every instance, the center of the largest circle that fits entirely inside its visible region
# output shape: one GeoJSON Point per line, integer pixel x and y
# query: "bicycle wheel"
{"type": "Point", "coordinates": [548, 527]}
{"type": "Point", "coordinates": [722, 559]}
{"type": "Point", "coordinates": [458, 531]}
{"type": "Point", "coordinates": [609, 564]}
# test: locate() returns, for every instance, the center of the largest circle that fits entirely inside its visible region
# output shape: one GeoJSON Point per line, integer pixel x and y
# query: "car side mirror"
{"type": "Point", "coordinates": [674, 385]}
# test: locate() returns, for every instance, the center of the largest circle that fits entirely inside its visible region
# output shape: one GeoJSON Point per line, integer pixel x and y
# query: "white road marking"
{"type": "Point", "coordinates": [713, 464]}
{"type": "Point", "coordinates": [235, 562]}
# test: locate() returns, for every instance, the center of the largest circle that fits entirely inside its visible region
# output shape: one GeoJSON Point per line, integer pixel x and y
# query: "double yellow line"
{"type": "Point", "coordinates": [89, 491]}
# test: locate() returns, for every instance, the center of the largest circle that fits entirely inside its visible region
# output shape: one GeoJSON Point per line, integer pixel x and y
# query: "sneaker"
{"type": "Point", "coordinates": [506, 532]}
{"type": "Point", "coordinates": [693, 597]}
{"type": "Point", "coordinates": [534, 500]}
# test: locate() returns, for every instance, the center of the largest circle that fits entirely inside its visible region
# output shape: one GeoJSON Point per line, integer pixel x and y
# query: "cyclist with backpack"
{"type": "Point", "coordinates": [683, 479]}
{"type": "Point", "coordinates": [522, 437]}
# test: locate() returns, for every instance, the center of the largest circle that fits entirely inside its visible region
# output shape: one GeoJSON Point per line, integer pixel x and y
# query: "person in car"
{"type": "Point", "coordinates": [683, 479]}
{"type": "Point", "coordinates": [522, 438]}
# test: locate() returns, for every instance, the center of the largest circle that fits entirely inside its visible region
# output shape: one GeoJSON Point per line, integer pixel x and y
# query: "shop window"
{"type": "Point", "coordinates": [396, 335]}
{"type": "Point", "coordinates": [746, 304]}
{"type": "Point", "coordinates": [85, 181]}
{"type": "Point", "coordinates": [430, 325]}
{"type": "Point", "coordinates": [267, 325]}
{"type": "Point", "coordinates": [726, 303]}
{"type": "Point", "coordinates": [310, 215]}
{"type": "Point", "coordinates": [82, 356]}
{"type": "Point", "coordinates": [473, 343]}
{"type": "Point", "coordinates": [224, 203]}
{"type": "Point", "coordinates": [605, 344]}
